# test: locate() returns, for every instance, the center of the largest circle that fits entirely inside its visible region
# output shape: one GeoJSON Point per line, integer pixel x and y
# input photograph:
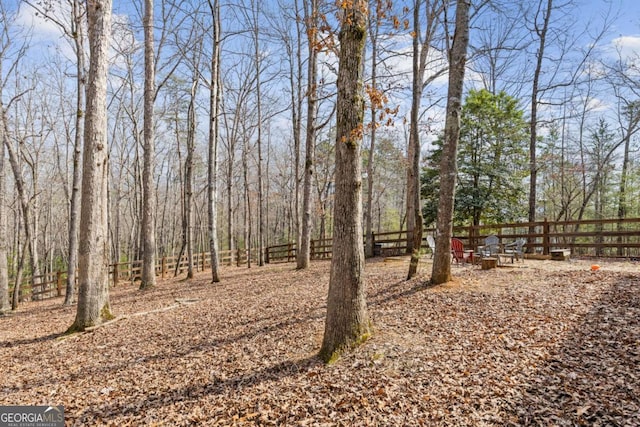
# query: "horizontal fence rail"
{"type": "Point", "coordinates": [601, 238]}
{"type": "Point", "coordinates": [52, 285]}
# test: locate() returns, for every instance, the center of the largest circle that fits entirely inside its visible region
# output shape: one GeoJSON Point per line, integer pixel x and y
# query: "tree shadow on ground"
{"type": "Point", "coordinates": [197, 391]}
{"type": "Point", "coordinates": [37, 340]}
{"type": "Point", "coordinates": [593, 377]}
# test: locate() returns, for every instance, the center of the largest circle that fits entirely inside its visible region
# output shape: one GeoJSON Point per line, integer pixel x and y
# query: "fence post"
{"type": "Point", "coordinates": [115, 274]}
{"type": "Point", "coordinates": [238, 260]}
{"type": "Point", "coordinates": [163, 267]}
{"type": "Point", "coordinates": [472, 238]}
{"type": "Point", "coordinates": [546, 240]}
{"type": "Point", "coordinates": [59, 282]}
{"type": "Point", "coordinates": [266, 255]}
{"type": "Point", "coordinates": [373, 245]}
{"type": "Point", "coordinates": [204, 260]}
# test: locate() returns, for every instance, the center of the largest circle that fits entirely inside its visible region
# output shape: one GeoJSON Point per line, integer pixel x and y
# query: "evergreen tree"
{"type": "Point", "coordinates": [492, 162]}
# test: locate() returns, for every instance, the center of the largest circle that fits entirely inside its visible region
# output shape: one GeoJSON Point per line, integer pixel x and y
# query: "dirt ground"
{"type": "Point", "coordinates": [538, 343]}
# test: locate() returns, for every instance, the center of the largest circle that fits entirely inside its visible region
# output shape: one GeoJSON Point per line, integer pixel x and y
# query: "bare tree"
{"type": "Point", "coordinates": [4, 273]}
{"type": "Point", "coordinates": [212, 159]}
{"type": "Point", "coordinates": [93, 297]}
{"type": "Point", "coordinates": [311, 12]}
{"type": "Point", "coordinates": [148, 278]}
{"type": "Point", "coordinates": [5, 52]}
{"type": "Point", "coordinates": [74, 30]}
{"type": "Point", "coordinates": [421, 50]}
{"type": "Point", "coordinates": [441, 271]}
{"type": "Point", "coordinates": [423, 47]}
{"type": "Point", "coordinates": [347, 321]}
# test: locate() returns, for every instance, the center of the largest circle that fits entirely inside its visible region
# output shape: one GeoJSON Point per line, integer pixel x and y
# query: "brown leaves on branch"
{"type": "Point", "coordinates": [550, 343]}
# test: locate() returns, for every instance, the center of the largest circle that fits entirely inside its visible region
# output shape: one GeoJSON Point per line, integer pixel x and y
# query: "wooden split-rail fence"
{"type": "Point", "coordinates": [598, 238]}
{"type": "Point", "coordinates": [54, 284]}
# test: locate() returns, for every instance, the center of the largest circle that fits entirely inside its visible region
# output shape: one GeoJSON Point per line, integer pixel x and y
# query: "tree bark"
{"type": "Point", "coordinates": [4, 272]}
{"type": "Point", "coordinates": [414, 211]}
{"type": "Point", "coordinates": [93, 297]}
{"type": "Point", "coordinates": [311, 19]}
{"type": "Point", "coordinates": [26, 219]}
{"type": "Point", "coordinates": [212, 160]}
{"type": "Point", "coordinates": [74, 203]}
{"type": "Point", "coordinates": [347, 321]}
{"type": "Point", "coordinates": [188, 176]}
{"type": "Point", "coordinates": [374, 30]}
{"type": "Point", "coordinates": [148, 279]}
{"type": "Point", "coordinates": [258, 62]}
{"type": "Point", "coordinates": [441, 271]}
{"type": "Point", "coordinates": [422, 45]}
{"type": "Point", "coordinates": [533, 132]}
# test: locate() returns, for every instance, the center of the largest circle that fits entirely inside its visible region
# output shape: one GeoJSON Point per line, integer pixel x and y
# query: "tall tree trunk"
{"type": "Point", "coordinates": [74, 203]}
{"type": "Point", "coordinates": [533, 132]}
{"type": "Point", "coordinates": [188, 176]}
{"type": "Point", "coordinates": [347, 322]}
{"type": "Point", "coordinates": [148, 278]}
{"type": "Point", "coordinates": [414, 211]}
{"type": "Point", "coordinates": [26, 218]}
{"type": "Point", "coordinates": [311, 19]}
{"type": "Point", "coordinates": [258, 62]}
{"type": "Point", "coordinates": [441, 271]}
{"type": "Point", "coordinates": [422, 45]}
{"type": "Point", "coordinates": [296, 118]}
{"type": "Point", "coordinates": [230, 220]}
{"type": "Point", "coordinates": [247, 199]}
{"type": "Point", "coordinates": [4, 272]}
{"type": "Point", "coordinates": [93, 297]}
{"type": "Point", "coordinates": [212, 160]}
{"type": "Point", "coordinates": [374, 29]}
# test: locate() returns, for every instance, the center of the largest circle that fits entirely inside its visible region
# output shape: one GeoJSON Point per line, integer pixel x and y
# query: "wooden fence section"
{"type": "Point", "coordinates": [54, 284]}
{"type": "Point", "coordinates": [601, 238]}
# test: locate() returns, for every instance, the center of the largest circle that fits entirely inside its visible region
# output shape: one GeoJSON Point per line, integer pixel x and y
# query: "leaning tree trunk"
{"type": "Point", "coordinates": [148, 278]}
{"type": "Point", "coordinates": [347, 322]}
{"type": "Point", "coordinates": [441, 271]}
{"type": "Point", "coordinates": [93, 297]}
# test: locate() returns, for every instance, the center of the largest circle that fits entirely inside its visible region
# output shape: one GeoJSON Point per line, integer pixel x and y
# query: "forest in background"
{"type": "Point", "coordinates": [569, 90]}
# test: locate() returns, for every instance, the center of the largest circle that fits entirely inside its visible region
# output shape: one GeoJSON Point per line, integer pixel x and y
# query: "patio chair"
{"type": "Point", "coordinates": [491, 248]}
{"type": "Point", "coordinates": [431, 244]}
{"type": "Point", "coordinates": [457, 251]}
{"type": "Point", "coordinates": [516, 248]}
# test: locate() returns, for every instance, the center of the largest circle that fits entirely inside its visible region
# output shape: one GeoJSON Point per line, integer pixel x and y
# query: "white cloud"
{"type": "Point", "coordinates": [626, 47]}
{"type": "Point", "coordinates": [42, 30]}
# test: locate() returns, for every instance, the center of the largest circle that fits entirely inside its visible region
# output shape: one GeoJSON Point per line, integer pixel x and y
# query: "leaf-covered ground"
{"type": "Point", "coordinates": [547, 343]}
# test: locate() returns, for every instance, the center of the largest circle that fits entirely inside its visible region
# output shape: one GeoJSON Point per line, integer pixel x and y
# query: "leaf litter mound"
{"type": "Point", "coordinates": [544, 343]}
